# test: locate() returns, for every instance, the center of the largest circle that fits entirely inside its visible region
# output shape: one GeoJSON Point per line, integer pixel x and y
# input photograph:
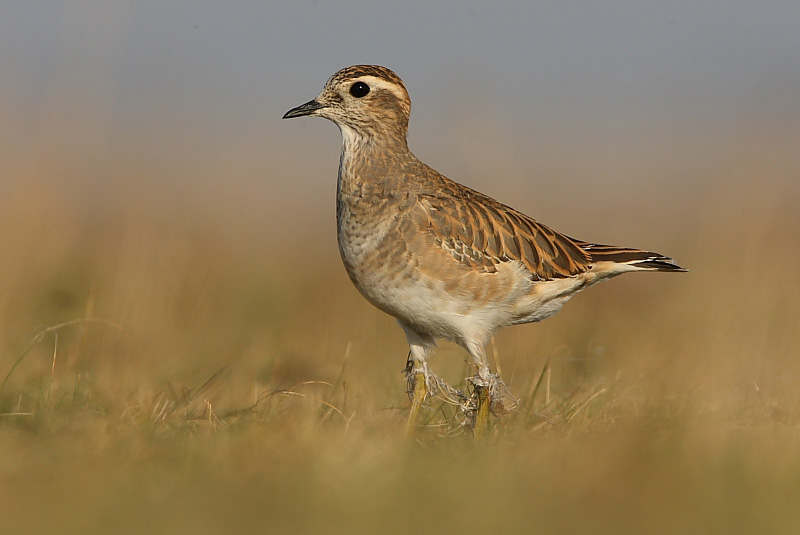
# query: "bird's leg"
{"type": "Point", "coordinates": [490, 393]}
{"type": "Point", "coordinates": [418, 390]}
{"type": "Point", "coordinates": [481, 395]}
{"type": "Point", "coordinates": [421, 382]}
{"type": "Point", "coordinates": [483, 402]}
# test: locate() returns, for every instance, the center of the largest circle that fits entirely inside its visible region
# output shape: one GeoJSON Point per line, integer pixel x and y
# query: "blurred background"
{"type": "Point", "coordinates": [147, 181]}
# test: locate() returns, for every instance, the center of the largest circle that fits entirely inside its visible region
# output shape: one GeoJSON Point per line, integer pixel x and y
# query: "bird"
{"type": "Point", "coordinates": [448, 262]}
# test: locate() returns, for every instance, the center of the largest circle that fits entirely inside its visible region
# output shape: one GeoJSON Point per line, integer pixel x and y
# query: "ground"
{"type": "Point", "coordinates": [229, 378]}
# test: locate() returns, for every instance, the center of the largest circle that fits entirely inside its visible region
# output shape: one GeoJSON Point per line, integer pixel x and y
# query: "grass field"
{"type": "Point", "coordinates": [176, 360]}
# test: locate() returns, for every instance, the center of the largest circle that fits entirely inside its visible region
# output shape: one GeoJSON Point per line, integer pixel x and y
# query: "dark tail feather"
{"type": "Point", "coordinates": [660, 264]}
{"type": "Point", "coordinates": [633, 257]}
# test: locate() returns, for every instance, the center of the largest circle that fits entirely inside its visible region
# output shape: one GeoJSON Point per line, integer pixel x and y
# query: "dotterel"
{"type": "Point", "coordinates": [445, 260]}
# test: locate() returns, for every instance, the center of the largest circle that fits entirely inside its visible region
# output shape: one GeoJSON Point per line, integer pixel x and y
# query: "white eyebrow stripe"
{"type": "Point", "coordinates": [375, 82]}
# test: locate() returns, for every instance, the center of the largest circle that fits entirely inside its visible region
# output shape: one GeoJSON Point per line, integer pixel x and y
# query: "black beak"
{"type": "Point", "coordinates": [304, 109]}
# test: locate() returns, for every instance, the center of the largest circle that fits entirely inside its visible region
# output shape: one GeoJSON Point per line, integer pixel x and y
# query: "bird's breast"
{"type": "Point", "coordinates": [368, 240]}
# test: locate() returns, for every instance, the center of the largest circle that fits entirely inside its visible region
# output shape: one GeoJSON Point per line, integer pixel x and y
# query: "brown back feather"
{"type": "Point", "coordinates": [482, 232]}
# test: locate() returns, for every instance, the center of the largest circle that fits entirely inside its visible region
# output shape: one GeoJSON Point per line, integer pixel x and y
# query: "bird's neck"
{"type": "Point", "coordinates": [369, 165]}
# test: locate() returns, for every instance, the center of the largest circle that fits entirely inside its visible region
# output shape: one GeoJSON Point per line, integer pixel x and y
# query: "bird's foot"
{"type": "Point", "coordinates": [424, 384]}
{"type": "Point", "coordinates": [489, 394]}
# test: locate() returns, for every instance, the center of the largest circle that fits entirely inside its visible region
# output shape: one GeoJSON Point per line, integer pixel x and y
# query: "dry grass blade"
{"type": "Point", "coordinates": [584, 404]}
{"type": "Point", "coordinates": [44, 332]}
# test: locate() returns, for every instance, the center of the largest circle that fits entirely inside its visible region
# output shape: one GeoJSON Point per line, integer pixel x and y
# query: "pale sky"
{"type": "Point", "coordinates": [223, 73]}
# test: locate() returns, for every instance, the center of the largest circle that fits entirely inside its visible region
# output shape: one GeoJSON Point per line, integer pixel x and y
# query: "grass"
{"type": "Point", "coordinates": [167, 370]}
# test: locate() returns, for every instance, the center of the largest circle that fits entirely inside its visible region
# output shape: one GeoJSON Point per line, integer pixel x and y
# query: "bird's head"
{"type": "Point", "coordinates": [365, 101]}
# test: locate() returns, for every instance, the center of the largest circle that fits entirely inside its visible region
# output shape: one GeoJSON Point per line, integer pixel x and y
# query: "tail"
{"type": "Point", "coordinates": [632, 259]}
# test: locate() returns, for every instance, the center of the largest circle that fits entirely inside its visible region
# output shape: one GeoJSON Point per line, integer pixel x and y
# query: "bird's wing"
{"type": "Point", "coordinates": [481, 232]}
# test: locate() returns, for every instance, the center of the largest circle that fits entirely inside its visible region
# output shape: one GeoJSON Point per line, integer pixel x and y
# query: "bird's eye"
{"type": "Point", "coordinates": [359, 89]}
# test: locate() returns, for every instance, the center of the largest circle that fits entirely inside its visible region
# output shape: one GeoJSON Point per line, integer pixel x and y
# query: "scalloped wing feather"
{"type": "Point", "coordinates": [481, 232]}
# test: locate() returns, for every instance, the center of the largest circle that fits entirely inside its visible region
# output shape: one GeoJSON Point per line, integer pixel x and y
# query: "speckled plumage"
{"type": "Point", "coordinates": [445, 260]}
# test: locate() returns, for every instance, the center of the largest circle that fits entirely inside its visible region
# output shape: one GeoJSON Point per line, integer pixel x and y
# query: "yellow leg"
{"type": "Point", "coordinates": [481, 425]}
{"type": "Point", "coordinates": [418, 393]}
